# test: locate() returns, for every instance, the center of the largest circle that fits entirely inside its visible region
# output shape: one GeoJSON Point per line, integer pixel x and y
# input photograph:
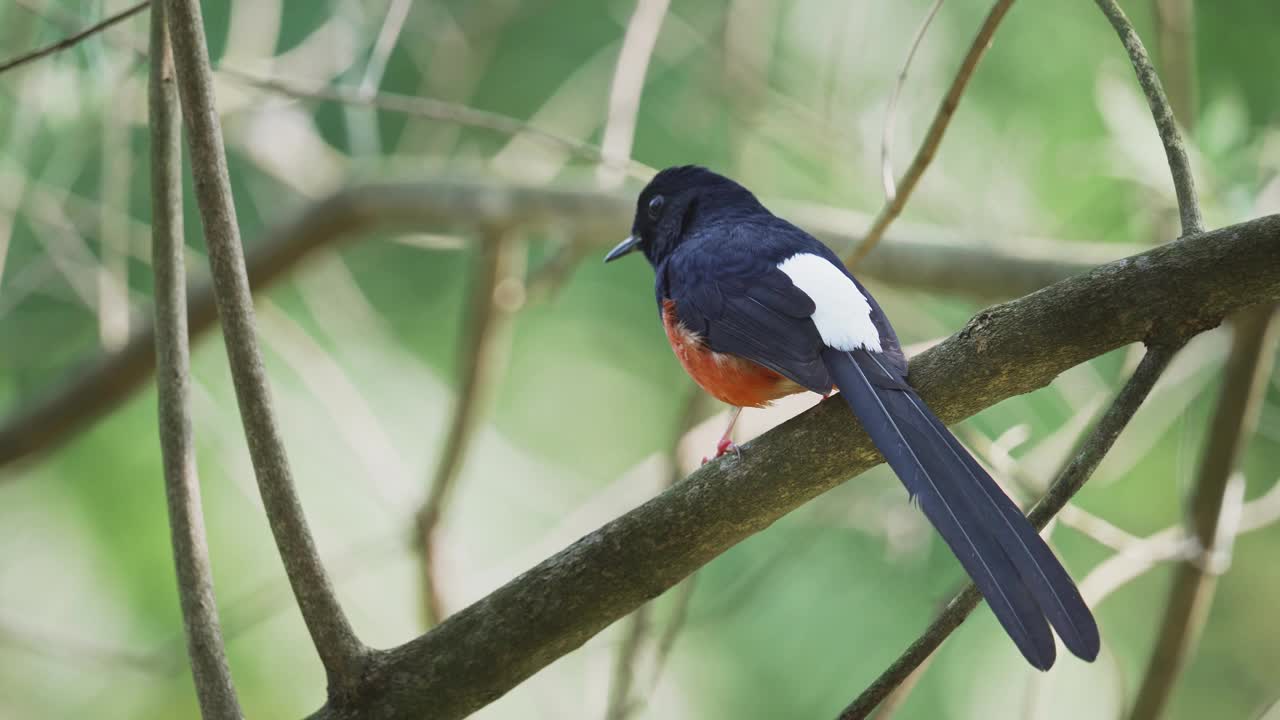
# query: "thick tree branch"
{"type": "Point", "coordinates": [73, 40]}
{"type": "Point", "coordinates": [1179, 164]}
{"type": "Point", "coordinates": [209, 669]}
{"type": "Point", "coordinates": [340, 651]}
{"type": "Point", "coordinates": [1248, 365]}
{"type": "Point", "coordinates": [932, 139]}
{"type": "Point", "coordinates": [482, 651]}
{"type": "Point", "coordinates": [110, 379]}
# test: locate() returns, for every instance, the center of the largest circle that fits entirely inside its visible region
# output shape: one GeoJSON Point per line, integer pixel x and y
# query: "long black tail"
{"type": "Point", "coordinates": [1016, 571]}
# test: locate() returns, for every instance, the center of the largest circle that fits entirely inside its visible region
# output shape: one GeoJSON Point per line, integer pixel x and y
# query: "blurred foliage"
{"type": "Point", "coordinates": [1052, 140]}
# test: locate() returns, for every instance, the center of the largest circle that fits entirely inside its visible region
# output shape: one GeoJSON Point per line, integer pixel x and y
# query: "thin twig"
{"type": "Point", "coordinates": [933, 138]}
{"type": "Point", "coordinates": [209, 669]}
{"type": "Point", "coordinates": [1069, 481]}
{"type": "Point", "coordinates": [72, 40]}
{"type": "Point", "coordinates": [628, 84]}
{"type": "Point", "coordinates": [886, 135]}
{"type": "Point", "coordinates": [341, 652]}
{"type": "Point", "coordinates": [1248, 365]}
{"type": "Point", "coordinates": [496, 292]}
{"type": "Point", "coordinates": [360, 212]}
{"type": "Point", "coordinates": [435, 109]}
{"type": "Point", "coordinates": [1162, 113]}
{"type": "Point", "coordinates": [620, 705]}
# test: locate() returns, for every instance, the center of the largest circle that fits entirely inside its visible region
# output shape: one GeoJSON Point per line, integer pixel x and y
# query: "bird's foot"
{"type": "Point", "coordinates": [723, 447]}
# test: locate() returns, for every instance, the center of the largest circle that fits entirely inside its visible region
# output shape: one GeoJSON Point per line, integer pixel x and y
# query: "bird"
{"type": "Point", "coordinates": [756, 309]}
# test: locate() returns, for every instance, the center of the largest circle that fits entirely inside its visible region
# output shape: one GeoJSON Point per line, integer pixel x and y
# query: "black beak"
{"type": "Point", "coordinates": [624, 247]}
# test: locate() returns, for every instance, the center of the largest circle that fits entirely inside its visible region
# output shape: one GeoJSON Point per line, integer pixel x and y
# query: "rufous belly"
{"type": "Point", "coordinates": [728, 378]}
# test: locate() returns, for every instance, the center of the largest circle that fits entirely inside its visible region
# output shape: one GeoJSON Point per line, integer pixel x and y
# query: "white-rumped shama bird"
{"type": "Point", "coordinates": [756, 308]}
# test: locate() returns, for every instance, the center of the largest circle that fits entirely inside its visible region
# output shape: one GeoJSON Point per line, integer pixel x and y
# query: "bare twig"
{"type": "Point", "coordinates": [933, 138]}
{"type": "Point", "coordinates": [496, 292]}
{"type": "Point", "coordinates": [886, 135]}
{"type": "Point", "coordinates": [209, 668]}
{"type": "Point", "coordinates": [628, 84]}
{"type": "Point", "coordinates": [340, 650]}
{"type": "Point", "coordinates": [1248, 364]}
{"type": "Point", "coordinates": [596, 217]}
{"type": "Point", "coordinates": [436, 110]}
{"type": "Point", "coordinates": [1072, 478]}
{"type": "Point", "coordinates": [72, 40]}
{"type": "Point", "coordinates": [1162, 113]}
{"type": "Point", "coordinates": [620, 705]}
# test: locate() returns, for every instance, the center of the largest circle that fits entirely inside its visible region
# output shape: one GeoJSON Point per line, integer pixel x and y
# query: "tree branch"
{"type": "Point", "coordinates": [209, 669]}
{"type": "Point", "coordinates": [1179, 165]}
{"type": "Point", "coordinates": [75, 39]}
{"type": "Point", "coordinates": [932, 139]}
{"type": "Point", "coordinates": [485, 345]}
{"type": "Point", "coordinates": [482, 651]}
{"type": "Point", "coordinates": [340, 650]}
{"type": "Point", "coordinates": [1252, 351]}
{"type": "Point", "coordinates": [360, 211]}
{"type": "Point", "coordinates": [1072, 478]}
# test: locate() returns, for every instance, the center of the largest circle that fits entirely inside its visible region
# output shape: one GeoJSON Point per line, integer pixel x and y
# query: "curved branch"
{"type": "Point", "coordinates": [933, 138]}
{"type": "Point", "coordinates": [1179, 165]}
{"type": "Point", "coordinates": [209, 670]}
{"type": "Point", "coordinates": [340, 650]}
{"type": "Point", "coordinates": [483, 651]}
{"type": "Point", "coordinates": [110, 379]}
{"type": "Point", "coordinates": [1252, 351]}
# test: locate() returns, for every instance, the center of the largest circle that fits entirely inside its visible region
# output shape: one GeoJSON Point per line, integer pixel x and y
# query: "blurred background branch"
{"type": "Point", "coordinates": [1213, 523]}
{"type": "Point", "coordinates": [360, 211]}
{"type": "Point", "coordinates": [497, 291]}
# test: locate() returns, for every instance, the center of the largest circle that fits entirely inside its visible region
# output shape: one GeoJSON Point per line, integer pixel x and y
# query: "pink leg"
{"type": "Point", "coordinates": [726, 440]}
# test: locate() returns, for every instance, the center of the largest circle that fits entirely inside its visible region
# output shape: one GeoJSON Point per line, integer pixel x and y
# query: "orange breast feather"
{"type": "Point", "coordinates": [728, 378]}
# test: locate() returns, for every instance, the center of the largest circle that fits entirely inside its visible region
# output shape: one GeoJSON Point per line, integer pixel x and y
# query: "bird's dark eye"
{"type": "Point", "coordinates": [655, 207]}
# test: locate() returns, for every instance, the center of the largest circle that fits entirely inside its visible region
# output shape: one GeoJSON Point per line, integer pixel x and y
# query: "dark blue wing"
{"type": "Point", "coordinates": [742, 304]}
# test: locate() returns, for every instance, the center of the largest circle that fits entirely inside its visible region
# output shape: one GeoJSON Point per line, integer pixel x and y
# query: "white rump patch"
{"type": "Point", "coordinates": [843, 315]}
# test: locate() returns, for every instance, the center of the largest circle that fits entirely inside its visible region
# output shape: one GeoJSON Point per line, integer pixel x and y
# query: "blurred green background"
{"type": "Point", "coordinates": [1053, 140]}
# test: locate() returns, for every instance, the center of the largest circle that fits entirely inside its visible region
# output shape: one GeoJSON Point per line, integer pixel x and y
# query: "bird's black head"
{"type": "Point", "coordinates": [674, 203]}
